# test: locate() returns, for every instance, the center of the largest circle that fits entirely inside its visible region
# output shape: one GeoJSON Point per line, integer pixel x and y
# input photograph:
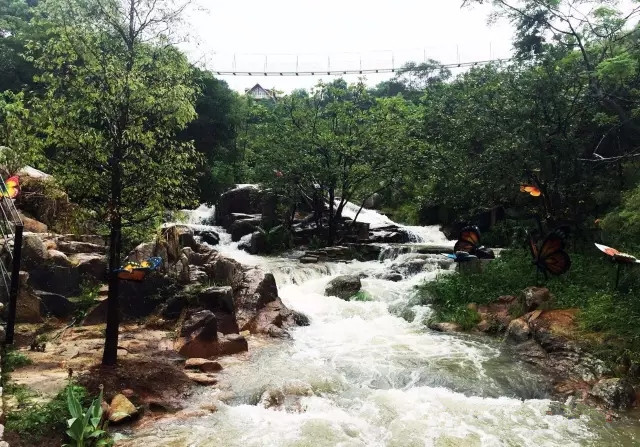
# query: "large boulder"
{"type": "Point", "coordinates": [536, 297]}
{"type": "Point", "coordinates": [75, 247]}
{"type": "Point", "coordinates": [258, 243]}
{"type": "Point", "coordinates": [121, 409]}
{"type": "Point", "coordinates": [93, 265]}
{"type": "Point", "coordinates": [55, 305]}
{"type": "Point", "coordinates": [241, 228]}
{"type": "Point", "coordinates": [55, 279]}
{"type": "Point", "coordinates": [28, 303]}
{"type": "Point", "coordinates": [177, 237]}
{"type": "Point", "coordinates": [58, 258]}
{"type": "Point", "coordinates": [246, 199]}
{"type": "Point", "coordinates": [255, 290]}
{"type": "Point", "coordinates": [343, 287]}
{"type": "Point", "coordinates": [204, 365]}
{"type": "Point", "coordinates": [209, 237]}
{"type": "Point", "coordinates": [199, 338]}
{"type": "Point", "coordinates": [518, 331]}
{"type": "Point", "coordinates": [34, 252]}
{"type": "Point", "coordinates": [32, 225]}
{"type": "Point", "coordinates": [616, 393]}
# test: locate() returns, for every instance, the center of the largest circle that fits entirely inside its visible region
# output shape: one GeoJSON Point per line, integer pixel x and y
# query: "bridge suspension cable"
{"type": "Point", "coordinates": [330, 71]}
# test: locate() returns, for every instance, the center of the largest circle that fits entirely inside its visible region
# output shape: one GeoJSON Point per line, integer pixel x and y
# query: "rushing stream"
{"type": "Point", "coordinates": [369, 373]}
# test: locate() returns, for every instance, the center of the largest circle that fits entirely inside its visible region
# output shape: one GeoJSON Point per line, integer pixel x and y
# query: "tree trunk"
{"type": "Point", "coordinates": [332, 221]}
{"type": "Point", "coordinates": [110, 355]}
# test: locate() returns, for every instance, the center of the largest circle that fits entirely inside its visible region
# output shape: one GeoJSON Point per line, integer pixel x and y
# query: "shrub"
{"type": "Point", "coordinates": [588, 286]}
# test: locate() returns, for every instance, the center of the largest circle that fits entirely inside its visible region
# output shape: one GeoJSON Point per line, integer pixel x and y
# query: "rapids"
{"type": "Point", "coordinates": [370, 373]}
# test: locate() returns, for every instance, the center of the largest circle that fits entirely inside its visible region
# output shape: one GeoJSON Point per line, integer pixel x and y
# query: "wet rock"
{"type": "Point", "coordinates": [199, 321]}
{"type": "Point", "coordinates": [308, 260]}
{"type": "Point", "coordinates": [535, 297]}
{"type": "Point", "coordinates": [202, 378]}
{"type": "Point", "coordinates": [518, 331]}
{"type": "Point", "coordinates": [388, 237]}
{"type": "Point", "coordinates": [252, 294]}
{"type": "Point", "coordinates": [616, 394]}
{"type": "Point", "coordinates": [392, 276]}
{"type": "Point", "coordinates": [445, 327]}
{"type": "Point", "coordinates": [334, 254]}
{"type": "Point", "coordinates": [225, 271]}
{"type": "Point", "coordinates": [208, 236]}
{"type": "Point", "coordinates": [244, 199]}
{"type": "Point", "coordinates": [93, 265]}
{"type": "Point", "coordinates": [258, 243]}
{"type": "Point", "coordinates": [344, 287]}
{"type": "Point", "coordinates": [272, 398]}
{"type": "Point", "coordinates": [217, 299]}
{"type": "Point", "coordinates": [232, 344]}
{"type": "Point", "coordinates": [121, 409]}
{"type": "Point", "coordinates": [300, 319]}
{"type": "Point", "coordinates": [242, 228]}
{"type": "Point", "coordinates": [204, 365]}
{"type": "Point", "coordinates": [54, 304]}
{"type": "Point", "coordinates": [34, 252]}
{"type": "Point", "coordinates": [411, 266]}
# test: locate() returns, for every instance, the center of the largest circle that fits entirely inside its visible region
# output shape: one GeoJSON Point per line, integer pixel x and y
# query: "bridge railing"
{"type": "Point", "coordinates": [11, 231]}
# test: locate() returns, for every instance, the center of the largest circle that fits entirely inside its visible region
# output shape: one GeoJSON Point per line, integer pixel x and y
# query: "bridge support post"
{"type": "Point", "coordinates": [15, 284]}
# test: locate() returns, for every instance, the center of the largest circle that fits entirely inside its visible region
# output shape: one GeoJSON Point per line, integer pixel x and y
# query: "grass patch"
{"type": "Point", "coordinates": [13, 360]}
{"type": "Point", "coordinates": [361, 296]}
{"type": "Point", "coordinates": [589, 286]}
{"type": "Point", "coordinates": [33, 423]}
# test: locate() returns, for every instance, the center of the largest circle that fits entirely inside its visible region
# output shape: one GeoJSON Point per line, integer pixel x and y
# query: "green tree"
{"type": "Point", "coordinates": [336, 144]}
{"type": "Point", "coordinates": [116, 95]}
{"type": "Point", "coordinates": [214, 133]}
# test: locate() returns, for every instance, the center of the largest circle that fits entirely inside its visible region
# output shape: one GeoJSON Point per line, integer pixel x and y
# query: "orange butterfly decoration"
{"type": "Point", "coordinates": [11, 188]}
{"type": "Point", "coordinates": [550, 255]}
{"type": "Point", "coordinates": [618, 256]}
{"type": "Point", "coordinates": [532, 190]}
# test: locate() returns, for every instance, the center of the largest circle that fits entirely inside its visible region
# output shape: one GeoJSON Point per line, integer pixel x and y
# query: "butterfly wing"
{"type": "Point", "coordinates": [552, 257]}
{"type": "Point", "coordinates": [618, 256]}
{"type": "Point", "coordinates": [532, 190]}
{"type": "Point", "coordinates": [553, 243]}
{"type": "Point", "coordinates": [533, 248]}
{"type": "Point", "coordinates": [13, 187]}
{"type": "Point", "coordinates": [469, 240]}
{"type": "Point", "coordinates": [557, 263]}
{"type": "Point", "coordinates": [155, 262]}
{"type": "Point", "coordinates": [607, 250]}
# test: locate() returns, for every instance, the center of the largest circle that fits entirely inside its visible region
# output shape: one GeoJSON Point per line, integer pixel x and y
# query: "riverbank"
{"type": "Point", "coordinates": [576, 327]}
{"type": "Point", "coordinates": [364, 371]}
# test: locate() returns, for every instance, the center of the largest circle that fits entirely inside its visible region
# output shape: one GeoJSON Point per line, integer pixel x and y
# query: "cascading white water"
{"type": "Point", "coordinates": [362, 375]}
{"type": "Point", "coordinates": [428, 234]}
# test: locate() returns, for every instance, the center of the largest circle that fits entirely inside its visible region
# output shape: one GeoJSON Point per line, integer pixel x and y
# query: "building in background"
{"type": "Point", "coordinates": [260, 93]}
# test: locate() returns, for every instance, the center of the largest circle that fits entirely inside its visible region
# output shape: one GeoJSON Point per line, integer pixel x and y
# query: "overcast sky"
{"type": "Point", "coordinates": [340, 32]}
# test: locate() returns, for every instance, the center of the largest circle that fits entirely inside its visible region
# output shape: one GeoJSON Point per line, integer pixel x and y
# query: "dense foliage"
{"type": "Point", "coordinates": [589, 286]}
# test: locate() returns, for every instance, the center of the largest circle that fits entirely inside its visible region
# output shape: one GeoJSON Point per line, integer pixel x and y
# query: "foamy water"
{"type": "Point", "coordinates": [371, 374]}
